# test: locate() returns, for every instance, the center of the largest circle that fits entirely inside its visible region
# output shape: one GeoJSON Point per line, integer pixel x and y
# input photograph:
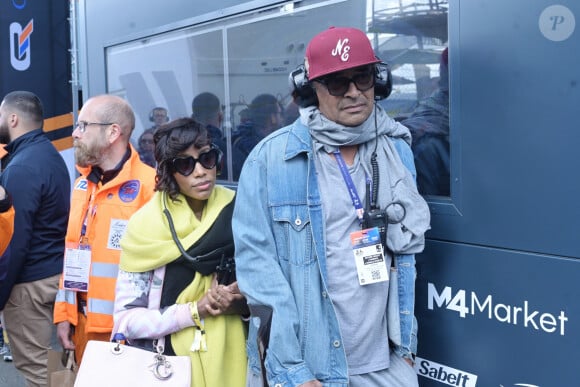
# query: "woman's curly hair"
{"type": "Point", "coordinates": [171, 140]}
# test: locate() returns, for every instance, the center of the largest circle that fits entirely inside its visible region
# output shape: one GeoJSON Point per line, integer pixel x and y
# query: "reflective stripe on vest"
{"type": "Point", "coordinates": [67, 296]}
{"type": "Point", "coordinates": [104, 270]}
{"type": "Point", "coordinates": [99, 305]}
{"type": "Point", "coordinates": [96, 305]}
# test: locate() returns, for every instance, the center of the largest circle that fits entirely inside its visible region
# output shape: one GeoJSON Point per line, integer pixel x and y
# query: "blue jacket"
{"type": "Point", "coordinates": [36, 176]}
{"type": "Point", "coordinates": [281, 263]}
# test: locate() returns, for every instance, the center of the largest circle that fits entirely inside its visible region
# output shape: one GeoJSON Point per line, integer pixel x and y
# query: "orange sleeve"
{"type": "Point", "coordinates": [60, 312]}
{"type": "Point", "coordinates": [6, 228]}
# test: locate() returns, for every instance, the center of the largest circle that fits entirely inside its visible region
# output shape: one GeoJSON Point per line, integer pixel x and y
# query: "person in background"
{"type": "Point", "coordinates": [266, 114]}
{"type": "Point", "coordinates": [158, 116]}
{"type": "Point", "coordinates": [6, 231]}
{"type": "Point", "coordinates": [429, 125]}
{"type": "Point", "coordinates": [146, 147]}
{"type": "Point", "coordinates": [4, 342]}
{"type": "Point", "coordinates": [291, 113]}
{"type": "Point", "coordinates": [178, 239]}
{"type": "Point", "coordinates": [113, 184]}
{"type": "Point", "coordinates": [6, 219]}
{"type": "Point", "coordinates": [316, 232]}
{"type": "Point", "coordinates": [207, 110]}
{"type": "Point", "coordinates": [37, 178]}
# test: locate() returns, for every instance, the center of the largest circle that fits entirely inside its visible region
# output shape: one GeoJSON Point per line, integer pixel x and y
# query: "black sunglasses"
{"type": "Point", "coordinates": [185, 165]}
{"type": "Point", "coordinates": [338, 86]}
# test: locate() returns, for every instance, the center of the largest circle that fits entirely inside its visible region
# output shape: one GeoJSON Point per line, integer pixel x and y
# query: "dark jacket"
{"type": "Point", "coordinates": [218, 139]}
{"type": "Point", "coordinates": [37, 178]}
{"type": "Point", "coordinates": [245, 138]}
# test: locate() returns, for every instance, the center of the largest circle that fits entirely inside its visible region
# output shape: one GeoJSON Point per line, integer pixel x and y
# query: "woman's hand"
{"type": "Point", "coordinates": [222, 299]}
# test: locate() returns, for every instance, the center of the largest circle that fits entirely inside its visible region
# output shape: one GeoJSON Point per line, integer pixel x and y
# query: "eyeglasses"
{"type": "Point", "coordinates": [338, 86]}
{"type": "Point", "coordinates": [82, 125]}
{"type": "Point", "coordinates": [185, 165]}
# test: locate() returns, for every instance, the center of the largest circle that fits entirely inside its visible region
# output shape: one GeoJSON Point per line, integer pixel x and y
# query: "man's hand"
{"type": "Point", "coordinates": [311, 383]}
{"type": "Point", "coordinates": [63, 332]}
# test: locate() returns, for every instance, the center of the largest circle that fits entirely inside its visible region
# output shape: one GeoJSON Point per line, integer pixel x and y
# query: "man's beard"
{"type": "Point", "coordinates": [86, 156]}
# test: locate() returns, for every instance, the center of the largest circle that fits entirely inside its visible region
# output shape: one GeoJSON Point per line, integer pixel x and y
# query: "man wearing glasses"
{"type": "Point", "coordinates": [327, 216]}
{"type": "Point", "coordinates": [114, 183]}
{"type": "Point", "coordinates": [39, 184]}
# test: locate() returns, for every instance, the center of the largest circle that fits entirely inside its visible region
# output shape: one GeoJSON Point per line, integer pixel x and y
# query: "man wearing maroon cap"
{"type": "Point", "coordinates": [327, 222]}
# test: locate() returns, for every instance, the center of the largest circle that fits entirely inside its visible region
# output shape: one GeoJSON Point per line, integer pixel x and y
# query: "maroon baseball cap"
{"type": "Point", "coordinates": [337, 49]}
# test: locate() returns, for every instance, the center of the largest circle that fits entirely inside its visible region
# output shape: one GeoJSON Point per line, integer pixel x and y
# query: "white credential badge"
{"type": "Point", "coordinates": [369, 256]}
{"type": "Point", "coordinates": [77, 266]}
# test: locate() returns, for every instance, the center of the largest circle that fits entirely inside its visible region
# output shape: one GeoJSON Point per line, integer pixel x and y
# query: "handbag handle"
{"type": "Point", "coordinates": [68, 360]}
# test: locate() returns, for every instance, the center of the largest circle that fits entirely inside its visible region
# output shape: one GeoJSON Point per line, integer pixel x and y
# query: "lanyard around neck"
{"type": "Point", "coordinates": [89, 215]}
{"type": "Point", "coordinates": [354, 197]}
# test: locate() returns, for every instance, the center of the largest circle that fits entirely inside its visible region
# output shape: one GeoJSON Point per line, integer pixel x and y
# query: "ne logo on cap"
{"type": "Point", "coordinates": [337, 49]}
{"type": "Point", "coordinates": [341, 49]}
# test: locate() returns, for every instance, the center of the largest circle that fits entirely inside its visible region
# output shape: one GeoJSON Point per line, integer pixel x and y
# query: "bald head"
{"type": "Point", "coordinates": [114, 109]}
{"type": "Point", "coordinates": [103, 139]}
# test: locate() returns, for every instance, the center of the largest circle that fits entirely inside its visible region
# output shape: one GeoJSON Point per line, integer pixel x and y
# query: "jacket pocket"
{"type": "Point", "coordinates": [293, 235]}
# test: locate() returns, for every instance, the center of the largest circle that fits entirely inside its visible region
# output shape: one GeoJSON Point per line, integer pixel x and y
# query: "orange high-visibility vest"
{"type": "Point", "coordinates": [112, 206]}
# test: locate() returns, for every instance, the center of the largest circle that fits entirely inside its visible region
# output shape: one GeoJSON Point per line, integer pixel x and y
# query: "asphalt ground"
{"type": "Point", "coordinates": [10, 377]}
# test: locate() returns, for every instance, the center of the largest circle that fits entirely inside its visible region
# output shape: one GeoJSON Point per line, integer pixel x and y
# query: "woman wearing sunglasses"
{"type": "Point", "coordinates": [178, 249]}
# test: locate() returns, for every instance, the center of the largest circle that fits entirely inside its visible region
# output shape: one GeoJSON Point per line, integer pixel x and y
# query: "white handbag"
{"type": "Point", "coordinates": [114, 364]}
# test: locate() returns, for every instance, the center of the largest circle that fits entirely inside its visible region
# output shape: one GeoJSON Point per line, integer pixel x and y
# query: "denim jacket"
{"type": "Point", "coordinates": [281, 263]}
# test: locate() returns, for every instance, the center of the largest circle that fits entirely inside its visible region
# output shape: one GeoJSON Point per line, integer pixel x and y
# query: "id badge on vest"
{"type": "Point", "coordinates": [369, 256]}
{"type": "Point", "coordinates": [77, 267]}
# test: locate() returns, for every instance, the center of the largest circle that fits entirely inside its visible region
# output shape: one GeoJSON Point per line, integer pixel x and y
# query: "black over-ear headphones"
{"type": "Point", "coordinates": [220, 160]}
{"type": "Point", "coordinates": [383, 81]}
{"type": "Point", "coordinates": [304, 93]}
{"type": "Point", "coordinates": [152, 114]}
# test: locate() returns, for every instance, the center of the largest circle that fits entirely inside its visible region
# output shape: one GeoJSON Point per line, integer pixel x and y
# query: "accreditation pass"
{"type": "Point", "coordinates": [77, 265]}
{"type": "Point", "coordinates": [369, 256]}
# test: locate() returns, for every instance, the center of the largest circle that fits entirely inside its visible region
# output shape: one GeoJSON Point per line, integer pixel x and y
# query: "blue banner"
{"type": "Point", "coordinates": [35, 44]}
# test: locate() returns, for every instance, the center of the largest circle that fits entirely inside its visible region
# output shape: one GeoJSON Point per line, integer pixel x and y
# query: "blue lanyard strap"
{"type": "Point", "coordinates": [356, 202]}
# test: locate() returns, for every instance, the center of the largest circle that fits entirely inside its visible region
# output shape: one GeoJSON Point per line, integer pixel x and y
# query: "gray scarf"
{"type": "Point", "coordinates": [397, 192]}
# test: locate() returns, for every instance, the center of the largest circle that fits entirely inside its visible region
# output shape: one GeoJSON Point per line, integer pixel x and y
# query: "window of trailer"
{"type": "Point", "coordinates": [243, 61]}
